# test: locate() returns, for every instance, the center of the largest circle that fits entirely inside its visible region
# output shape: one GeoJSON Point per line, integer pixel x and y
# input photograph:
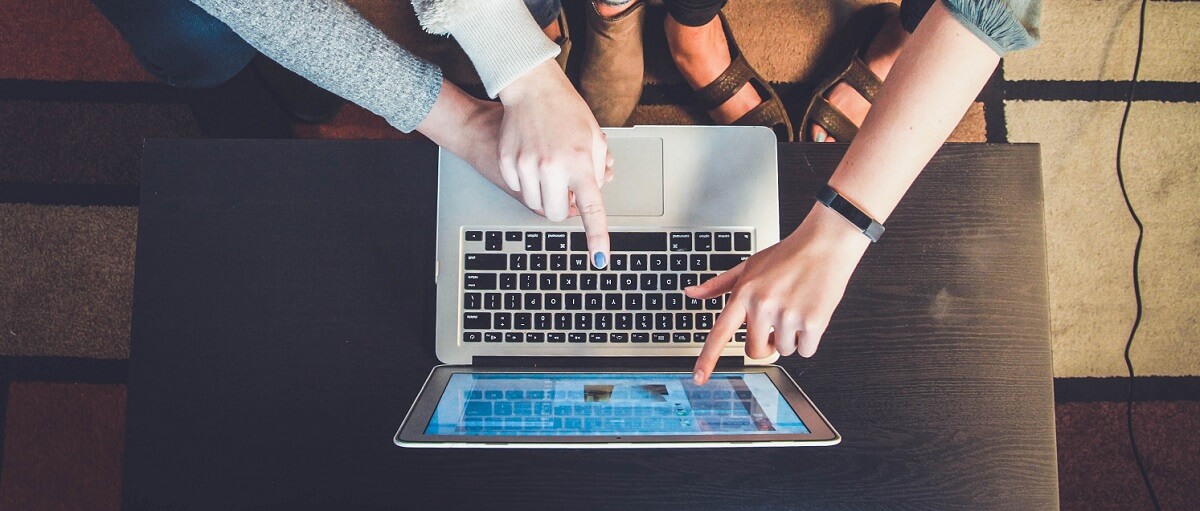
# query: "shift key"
{"type": "Point", "coordinates": [485, 262]}
{"type": "Point", "coordinates": [722, 262]}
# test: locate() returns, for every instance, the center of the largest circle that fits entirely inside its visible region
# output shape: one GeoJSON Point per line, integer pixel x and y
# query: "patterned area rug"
{"type": "Point", "coordinates": [75, 106]}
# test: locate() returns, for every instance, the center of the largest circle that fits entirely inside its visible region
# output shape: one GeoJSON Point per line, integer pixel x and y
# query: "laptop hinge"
{"type": "Point", "coordinates": [593, 362]}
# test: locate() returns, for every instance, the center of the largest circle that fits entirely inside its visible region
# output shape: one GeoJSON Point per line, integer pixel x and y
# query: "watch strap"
{"type": "Point", "coordinates": [833, 200]}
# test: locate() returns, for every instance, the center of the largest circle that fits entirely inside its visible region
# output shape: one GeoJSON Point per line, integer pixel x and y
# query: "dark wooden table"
{"type": "Point", "coordinates": [283, 323]}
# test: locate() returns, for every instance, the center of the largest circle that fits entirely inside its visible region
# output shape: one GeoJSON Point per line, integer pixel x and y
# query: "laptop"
{"type": "Point", "coordinates": [541, 349]}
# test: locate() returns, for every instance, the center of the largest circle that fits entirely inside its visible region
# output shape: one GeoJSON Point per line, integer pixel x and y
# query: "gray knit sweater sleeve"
{"type": "Point", "coordinates": [330, 44]}
{"type": "Point", "coordinates": [1004, 25]}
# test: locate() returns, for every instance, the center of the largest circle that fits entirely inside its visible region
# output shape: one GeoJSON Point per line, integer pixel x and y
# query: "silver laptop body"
{"type": "Point", "coordinates": [718, 180]}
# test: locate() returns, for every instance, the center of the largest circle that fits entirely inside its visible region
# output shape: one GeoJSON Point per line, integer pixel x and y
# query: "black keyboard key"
{"type": "Point", "coordinates": [491, 301]}
{"type": "Point", "coordinates": [597, 337]}
{"type": "Point", "coordinates": [723, 241]}
{"type": "Point", "coordinates": [543, 321]}
{"type": "Point", "coordinates": [493, 245]}
{"type": "Point", "coordinates": [660, 337]}
{"type": "Point", "coordinates": [700, 337]}
{"type": "Point", "coordinates": [741, 241]}
{"type": "Point", "coordinates": [640, 337]}
{"type": "Point", "coordinates": [679, 262]}
{"type": "Point", "coordinates": [502, 320]}
{"type": "Point", "coordinates": [556, 337]}
{"type": "Point", "coordinates": [683, 320]}
{"type": "Point", "coordinates": [568, 282]}
{"type": "Point", "coordinates": [508, 281]}
{"type": "Point", "coordinates": [628, 281]}
{"type": "Point", "coordinates": [528, 281]}
{"type": "Point", "coordinates": [644, 321]}
{"type": "Point", "coordinates": [472, 336]}
{"type": "Point", "coordinates": [681, 337]}
{"type": "Point", "coordinates": [687, 280]}
{"type": "Point", "coordinates": [535, 337]}
{"type": "Point", "coordinates": [698, 262]}
{"type": "Point", "coordinates": [608, 282]}
{"type": "Point", "coordinates": [513, 337]}
{"type": "Point", "coordinates": [562, 321]}
{"type": "Point", "coordinates": [668, 282]}
{"type": "Point", "coordinates": [624, 321]}
{"type": "Point", "coordinates": [637, 241]}
{"type": "Point", "coordinates": [658, 262]}
{"type": "Point", "coordinates": [473, 301]}
{"type": "Point", "coordinates": [589, 282]}
{"type": "Point", "coordinates": [556, 242]}
{"type": "Point", "coordinates": [704, 321]}
{"type": "Point", "coordinates": [649, 282]}
{"type": "Point", "coordinates": [618, 337]}
{"type": "Point", "coordinates": [493, 236]}
{"type": "Point", "coordinates": [681, 242]}
{"type": "Point", "coordinates": [722, 262]}
{"type": "Point", "coordinates": [613, 301]}
{"type": "Point", "coordinates": [654, 301]}
{"type": "Point", "coordinates": [603, 321]}
{"type": "Point", "coordinates": [477, 320]}
{"type": "Point", "coordinates": [619, 262]}
{"type": "Point", "coordinates": [522, 321]}
{"type": "Point", "coordinates": [474, 236]}
{"type": "Point", "coordinates": [492, 337]}
{"type": "Point", "coordinates": [704, 241]}
{"type": "Point", "coordinates": [479, 281]}
{"type": "Point", "coordinates": [715, 303]}
{"type": "Point", "coordinates": [633, 302]}
{"type": "Point", "coordinates": [558, 262]}
{"type": "Point", "coordinates": [533, 301]}
{"type": "Point", "coordinates": [693, 304]}
{"type": "Point", "coordinates": [512, 236]}
{"type": "Point", "coordinates": [579, 262]}
{"type": "Point", "coordinates": [593, 301]}
{"type": "Point", "coordinates": [485, 262]}
{"type": "Point", "coordinates": [739, 337]}
{"type": "Point", "coordinates": [664, 321]}
{"type": "Point", "coordinates": [512, 301]}
{"type": "Point", "coordinates": [583, 321]}
{"type": "Point", "coordinates": [517, 261]}
{"type": "Point", "coordinates": [574, 301]}
{"type": "Point", "coordinates": [553, 301]}
{"type": "Point", "coordinates": [579, 241]}
{"type": "Point", "coordinates": [639, 262]}
{"type": "Point", "coordinates": [537, 262]}
{"type": "Point", "coordinates": [533, 242]}
{"type": "Point", "coordinates": [548, 282]}
{"type": "Point", "coordinates": [674, 301]}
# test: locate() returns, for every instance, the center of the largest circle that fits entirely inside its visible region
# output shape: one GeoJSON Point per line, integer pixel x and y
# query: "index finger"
{"type": "Point", "coordinates": [727, 323]}
{"type": "Point", "coordinates": [595, 224]}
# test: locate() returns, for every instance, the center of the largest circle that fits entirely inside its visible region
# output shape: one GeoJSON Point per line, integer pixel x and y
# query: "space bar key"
{"type": "Point", "coordinates": [637, 241]}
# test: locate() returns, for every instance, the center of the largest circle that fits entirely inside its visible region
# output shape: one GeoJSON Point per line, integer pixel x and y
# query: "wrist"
{"type": "Point", "coordinates": [453, 107]}
{"type": "Point", "coordinates": [531, 85]}
{"type": "Point", "coordinates": [830, 228]}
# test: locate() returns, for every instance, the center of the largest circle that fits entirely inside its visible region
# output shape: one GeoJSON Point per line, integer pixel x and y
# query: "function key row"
{"type": "Point", "coordinates": [593, 337]}
{"type": "Point", "coordinates": [583, 282]}
{"type": "Point", "coordinates": [619, 241]}
{"type": "Point", "coordinates": [589, 301]}
{"type": "Point", "coordinates": [617, 262]}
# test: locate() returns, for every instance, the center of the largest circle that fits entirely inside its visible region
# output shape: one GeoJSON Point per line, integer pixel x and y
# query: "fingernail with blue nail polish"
{"type": "Point", "coordinates": [600, 260]}
{"type": "Point", "coordinates": [820, 137]}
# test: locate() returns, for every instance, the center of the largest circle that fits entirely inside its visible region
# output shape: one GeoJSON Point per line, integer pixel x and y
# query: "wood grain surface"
{"type": "Point", "coordinates": [283, 324]}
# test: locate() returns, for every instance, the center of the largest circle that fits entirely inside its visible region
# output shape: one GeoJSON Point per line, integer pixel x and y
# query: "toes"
{"type": "Point", "coordinates": [820, 135]}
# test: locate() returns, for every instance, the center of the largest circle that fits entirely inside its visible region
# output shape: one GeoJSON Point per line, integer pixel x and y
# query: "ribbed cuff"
{"type": "Point", "coordinates": [996, 24]}
{"type": "Point", "coordinates": [503, 41]}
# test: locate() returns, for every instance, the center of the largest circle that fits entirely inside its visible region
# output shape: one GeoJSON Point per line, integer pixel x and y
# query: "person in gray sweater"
{"type": "Point", "coordinates": [540, 143]}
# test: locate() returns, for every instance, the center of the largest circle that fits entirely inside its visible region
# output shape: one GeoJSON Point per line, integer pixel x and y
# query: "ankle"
{"type": "Point", "coordinates": [609, 10]}
{"type": "Point", "coordinates": [688, 43]}
{"type": "Point", "coordinates": [886, 46]}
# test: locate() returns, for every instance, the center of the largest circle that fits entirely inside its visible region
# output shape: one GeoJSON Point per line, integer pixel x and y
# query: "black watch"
{"type": "Point", "coordinates": [833, 200]}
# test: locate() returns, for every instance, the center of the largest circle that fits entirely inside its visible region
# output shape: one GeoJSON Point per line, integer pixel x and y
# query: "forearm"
{"type": "Point", "coordinates": [330, 44]}
{"type": "Point", "coordinates": [937, 75]}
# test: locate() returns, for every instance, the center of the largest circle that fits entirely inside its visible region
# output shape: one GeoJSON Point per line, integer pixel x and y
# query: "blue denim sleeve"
{"type": "Point", "coordinates": [1005, 25]}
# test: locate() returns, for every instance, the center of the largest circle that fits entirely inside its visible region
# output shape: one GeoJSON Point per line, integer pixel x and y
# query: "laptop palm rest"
{"type": "Point", "coordinates": [637, 185]}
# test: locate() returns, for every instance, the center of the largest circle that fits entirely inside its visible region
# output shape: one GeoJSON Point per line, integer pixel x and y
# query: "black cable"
{"type": "Point", "coordinates": [1137, 251]}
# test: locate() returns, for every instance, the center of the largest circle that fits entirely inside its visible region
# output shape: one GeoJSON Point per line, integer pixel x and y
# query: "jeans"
{"type": "Point", "coordinates": [178, 42]}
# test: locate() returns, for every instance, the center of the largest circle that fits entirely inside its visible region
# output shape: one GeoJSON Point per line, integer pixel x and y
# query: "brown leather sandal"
{"type": "Point", "coordinates": [858, 35]}
{"type": "Point", "coordinates": [769, 113]}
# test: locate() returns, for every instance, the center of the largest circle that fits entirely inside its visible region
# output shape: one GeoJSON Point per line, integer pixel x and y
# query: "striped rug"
{"type": "Point", "coordinates": [74, 107]}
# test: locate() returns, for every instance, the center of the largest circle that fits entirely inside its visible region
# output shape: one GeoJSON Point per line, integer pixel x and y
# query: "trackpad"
{"type": "Point", "coordinates": [637, 185]}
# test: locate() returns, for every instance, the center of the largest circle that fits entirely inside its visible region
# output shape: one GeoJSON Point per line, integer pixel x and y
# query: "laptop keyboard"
{"type": "Point", "coordinates": [535, 286]}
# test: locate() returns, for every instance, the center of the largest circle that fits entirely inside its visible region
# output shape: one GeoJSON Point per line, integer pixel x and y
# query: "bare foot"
{"type": "Point", "coordinates": [609, 10]}
{"type": "Point", "coordinates": [702, 54]}
{"type": "Point", "coordinates": [881, 54]}
{"type": "Point", "coordinates": [554, 31]}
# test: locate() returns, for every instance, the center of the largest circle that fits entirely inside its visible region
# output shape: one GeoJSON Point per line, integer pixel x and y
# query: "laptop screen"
{"type": "Point", "coordinates": [579, 404]}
